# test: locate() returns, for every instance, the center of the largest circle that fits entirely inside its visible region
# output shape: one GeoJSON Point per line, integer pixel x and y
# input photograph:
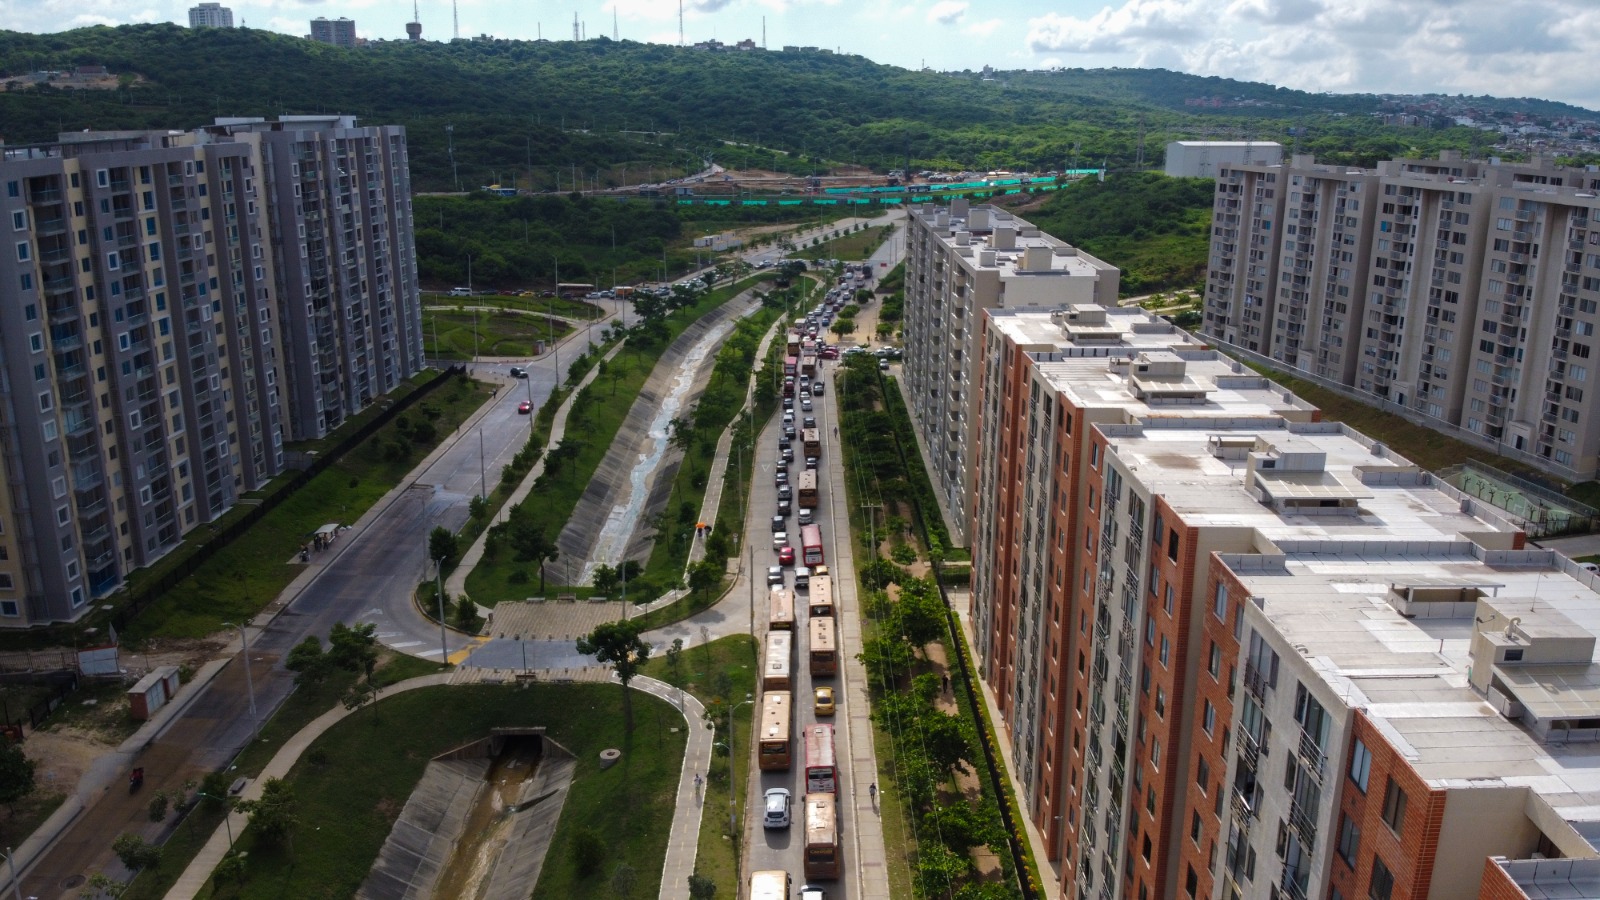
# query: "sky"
{"type": "Point", "coordinates": [1532, 48]}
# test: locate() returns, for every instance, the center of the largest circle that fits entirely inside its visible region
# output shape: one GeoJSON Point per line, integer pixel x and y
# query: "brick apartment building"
{"type": "Point", "coordinates": [1242, 652]}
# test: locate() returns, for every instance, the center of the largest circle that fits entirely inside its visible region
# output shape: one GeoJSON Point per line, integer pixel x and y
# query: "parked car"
{"type": "Point", "coordinates": [883, 365]}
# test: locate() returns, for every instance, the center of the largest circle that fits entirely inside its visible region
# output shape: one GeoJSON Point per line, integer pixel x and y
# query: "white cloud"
{"type": "Point", "coordinates": [983, 29]}
{"type": "Point", "coordinates": [1524, 48]}
{"type": "Point", "coordinates": [947, 12]}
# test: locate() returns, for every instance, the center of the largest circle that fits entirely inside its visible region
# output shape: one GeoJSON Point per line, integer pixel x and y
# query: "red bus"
{"type": "Point", "coordinates": [822, 773]}
{"type": "Point", "coordinates": [811, 545]}
{"type": "Point", "coordinates": [791, 365]}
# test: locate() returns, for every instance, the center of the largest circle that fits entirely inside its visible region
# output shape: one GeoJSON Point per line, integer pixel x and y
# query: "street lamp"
{"type": "Point", "coordinates": [733, 812]}
{"type": "Point", "coordinates": [249, 683]}
{"type": "Point", "coordinates": [438, 588]}
{"type": "Point", "coordinates": [229, 811]}
{"type": "Point", "coordinates": [16, 885]}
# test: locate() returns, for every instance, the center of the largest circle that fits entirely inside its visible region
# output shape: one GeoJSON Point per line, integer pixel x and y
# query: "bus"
{"type": "Point", "coordinates": [769, 885]}
{"type": "Point", "coordinates": [811, 440]}
{"type": "Point", "coordinates": [808, 363]}
{"type": "Point", "coordinates": [776, 672]}
{"type": "Point", "coordinates": [808, 488]}
{"type": "Point", "coordinates": [823, 848]}
{"type": "Point", "coordinates": [772, 749]}
{"type": "Point", "coordinates": [822, 772]}
{"type": "Point", "coordinates": [782, 618]}
{"type": "Point", "coordinates": [811, 545]}
{"type": "Point", "coordinates": [791, 365]}
{"type": "Point", "coordinates": [820, 599]}
{"type": "Point", "coordinates": [823, 650]}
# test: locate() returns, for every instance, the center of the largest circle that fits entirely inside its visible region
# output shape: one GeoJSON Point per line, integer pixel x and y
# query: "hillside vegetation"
{"type": "Point", "coordinates": [607, 112]}
{"type": "Point", "coordinates": [1155, 228]}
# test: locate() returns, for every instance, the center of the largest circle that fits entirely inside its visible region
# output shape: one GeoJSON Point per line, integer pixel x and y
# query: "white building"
{"type": "Point", "coordinates": [1201, 159]}
{"type": "Point", "coordinates": [210, 15]}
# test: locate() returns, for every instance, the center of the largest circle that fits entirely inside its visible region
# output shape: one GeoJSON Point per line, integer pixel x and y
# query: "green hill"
{"type": "Point", "coordinates": [560, 112]}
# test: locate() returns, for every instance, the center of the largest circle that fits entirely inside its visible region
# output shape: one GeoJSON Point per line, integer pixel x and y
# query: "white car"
{"type": "Point", "coordinates": [777, 810]}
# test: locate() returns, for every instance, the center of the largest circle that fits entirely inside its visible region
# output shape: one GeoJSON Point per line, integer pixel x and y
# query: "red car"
{"type": "Point", "coordinates": [524, 407]}
{"type": "Point", "coordinates": [786, 555]}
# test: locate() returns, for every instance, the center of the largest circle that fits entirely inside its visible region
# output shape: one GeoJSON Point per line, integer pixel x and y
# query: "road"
{"type": "Point", "coordinates": [368, 576]}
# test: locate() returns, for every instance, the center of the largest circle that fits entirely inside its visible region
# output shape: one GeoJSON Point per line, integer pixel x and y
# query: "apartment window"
{"type": "Point", "coordinates": [9, 608]}
{"type": "Point", "coordinates": [24, 253]}
{"type": "Point", "coordinates": [1219, 604]}
{"type": "Point", "coordinates": [1161, 702]}
{"type": "Point", "coordinates": [1202, 774]}
{"type": "Point", "coordinates": [1149, 631]}
{"type": "Point", "coordinates": [1194, 828]}
{"type": "Point", "coordinates": [1214, 665]}
{"type": "Point", "coordinates": [1209, 717]}
{"type": "Point", "coordinates": [1165, 645]}
{"type": "Point", "coordinates": [19, 220]}
{"type": "Point", "coordinates": [1394, 806]}
{"type": "Point", "coordinates": [1172, 545]}
{"type": "Point", "coordinates": [1382, 881]}
{"type": "Point", "coordinates": [1349, 841]}
{"type": "Point", "coordinates": [1191, 882]}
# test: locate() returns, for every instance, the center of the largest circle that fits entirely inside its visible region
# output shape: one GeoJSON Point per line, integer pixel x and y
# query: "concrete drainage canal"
{"type": "Point", "coordinates": [479, 823]}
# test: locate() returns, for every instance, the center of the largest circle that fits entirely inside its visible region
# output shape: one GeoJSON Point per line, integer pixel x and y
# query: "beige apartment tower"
{"type": "Point", "coordinates": [1460, 293]}
{"type": "Point", "coordinates": [961, 260]}
{"type": "Point", "coordinates": [156, 342]}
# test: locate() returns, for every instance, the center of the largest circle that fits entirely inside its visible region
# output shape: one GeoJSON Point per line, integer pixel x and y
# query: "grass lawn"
{"type": "Point", "coordinates": [711, 672]}
{"type": "Point", "coordinates": [597, 414]}
{"type": "Point", "coordinates": [355, 779]}
{"type": "Point", "coordinates": [296, 712]}
{"type": "Point", "coordinates": [1427, 448]}
{"type": "Point", "coordinates": [23, 818]}
{"type": "Point", "coordinates": [855, 245]}
{"type": "Point", "coordinates": [249, 573]}
{"type": "Point", "coordinates": [448, 333]}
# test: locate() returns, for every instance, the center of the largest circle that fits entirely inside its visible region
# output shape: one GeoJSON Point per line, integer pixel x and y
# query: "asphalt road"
{"type": "Point", "coordinates": [784, 848]}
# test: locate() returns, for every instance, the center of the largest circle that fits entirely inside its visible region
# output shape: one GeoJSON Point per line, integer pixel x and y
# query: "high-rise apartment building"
{"type": "Point", "coordinates": [961, 260]}
{"type": "Point", "coordinates": [1240, 652]}
{"type": "Point", "coordinates": [1462, 293]}
{"type": "Point", "coordinates": [210, 15]}
{"type": "Point", "coordinates": [154, 342]}
{"type": "Point", "coordinates": [340, 32]}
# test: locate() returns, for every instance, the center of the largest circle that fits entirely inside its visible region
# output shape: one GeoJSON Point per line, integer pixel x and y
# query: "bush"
{"type": "Point", "coordinates": [518, 576]}
{"type": "Point", "coordinates": [588, 851]}
{"type": "Point", "coordinates": [903, 554]}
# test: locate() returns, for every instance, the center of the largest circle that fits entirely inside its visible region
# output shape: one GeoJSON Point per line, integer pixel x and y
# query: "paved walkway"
{"type": "Point", "coordinates": [683, 842]}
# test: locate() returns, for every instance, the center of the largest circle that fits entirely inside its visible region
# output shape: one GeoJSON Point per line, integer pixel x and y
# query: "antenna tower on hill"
{"type": "Point", "coordinates": [455, 20]}
{"type": "Point", "coordinates": [575, 25]}
{"type": "Point", "coordinates": [680, 23]}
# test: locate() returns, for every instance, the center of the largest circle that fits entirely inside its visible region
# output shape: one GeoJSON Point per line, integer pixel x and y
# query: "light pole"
{"type": "Point", "coordinates": [224, 802]}
{"type": "Point", "coordinates": [483, 469]}
{"type": "Point", "coordinates": [249, 683]}
{"type": "Point", "coordinates": [438, 589]}
{"type": "Point", "coordinates": [16, 885]}
{"type": "Point", "coordinates": [733, 812]}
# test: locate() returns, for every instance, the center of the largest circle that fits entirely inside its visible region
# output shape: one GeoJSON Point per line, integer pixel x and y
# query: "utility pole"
{"type": "Point", "coordinates": [438, 587]}
{"type": "Point", "coordinates": [450, 138]}
{"type": "Point", "coordinates": [483, 469]}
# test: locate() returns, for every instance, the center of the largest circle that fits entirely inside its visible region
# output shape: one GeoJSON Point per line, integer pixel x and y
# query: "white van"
{"type": "Point", "coordinates": [460, 292]}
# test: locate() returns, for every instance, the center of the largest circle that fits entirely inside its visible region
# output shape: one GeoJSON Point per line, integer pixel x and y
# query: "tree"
{"type": "Point", "coordinates": [273, 814]}
{"type": "Point", "coordinates": [16, 774]}
{"type": "Point", "coordinates": [478, 507]}
{"type": "Point", "coordinates": [135, 852]}
{"type": "Point", "coordinates": [842, 327]}
{"type": "Point", "coordinates": [885, 658]}
{"type": "Point", "coordinates": [443, 547]}
{"type": "Point", "coordinates": [360, 694]}
{"type": "Point", "coordinates": [619, 644]}
{"type": "Point", "coordinates": [466, 615]}
{"type": "Point", "coordinates": [308, 662]}
{"type": "Point", "coordinates": [705, 575]}
{"type": "Point", "coordinates": [701, 887]}
{"type": "Point", "coordinates": [675, 659]}
{"type": "Point", "coordinates": [354, 649]}
{"type": "Point", "coordinates": [606, 579]}
{"type": "Point", "coordinates": [920, 612]}
{"type": "Point", "coordinates": [623, 878]}
{"type": "Point", "coordinates": [102, 885]}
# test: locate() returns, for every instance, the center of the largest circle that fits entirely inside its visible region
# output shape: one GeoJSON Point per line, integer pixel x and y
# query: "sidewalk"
{"type": "Point", "coordinates": [683, 842]}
